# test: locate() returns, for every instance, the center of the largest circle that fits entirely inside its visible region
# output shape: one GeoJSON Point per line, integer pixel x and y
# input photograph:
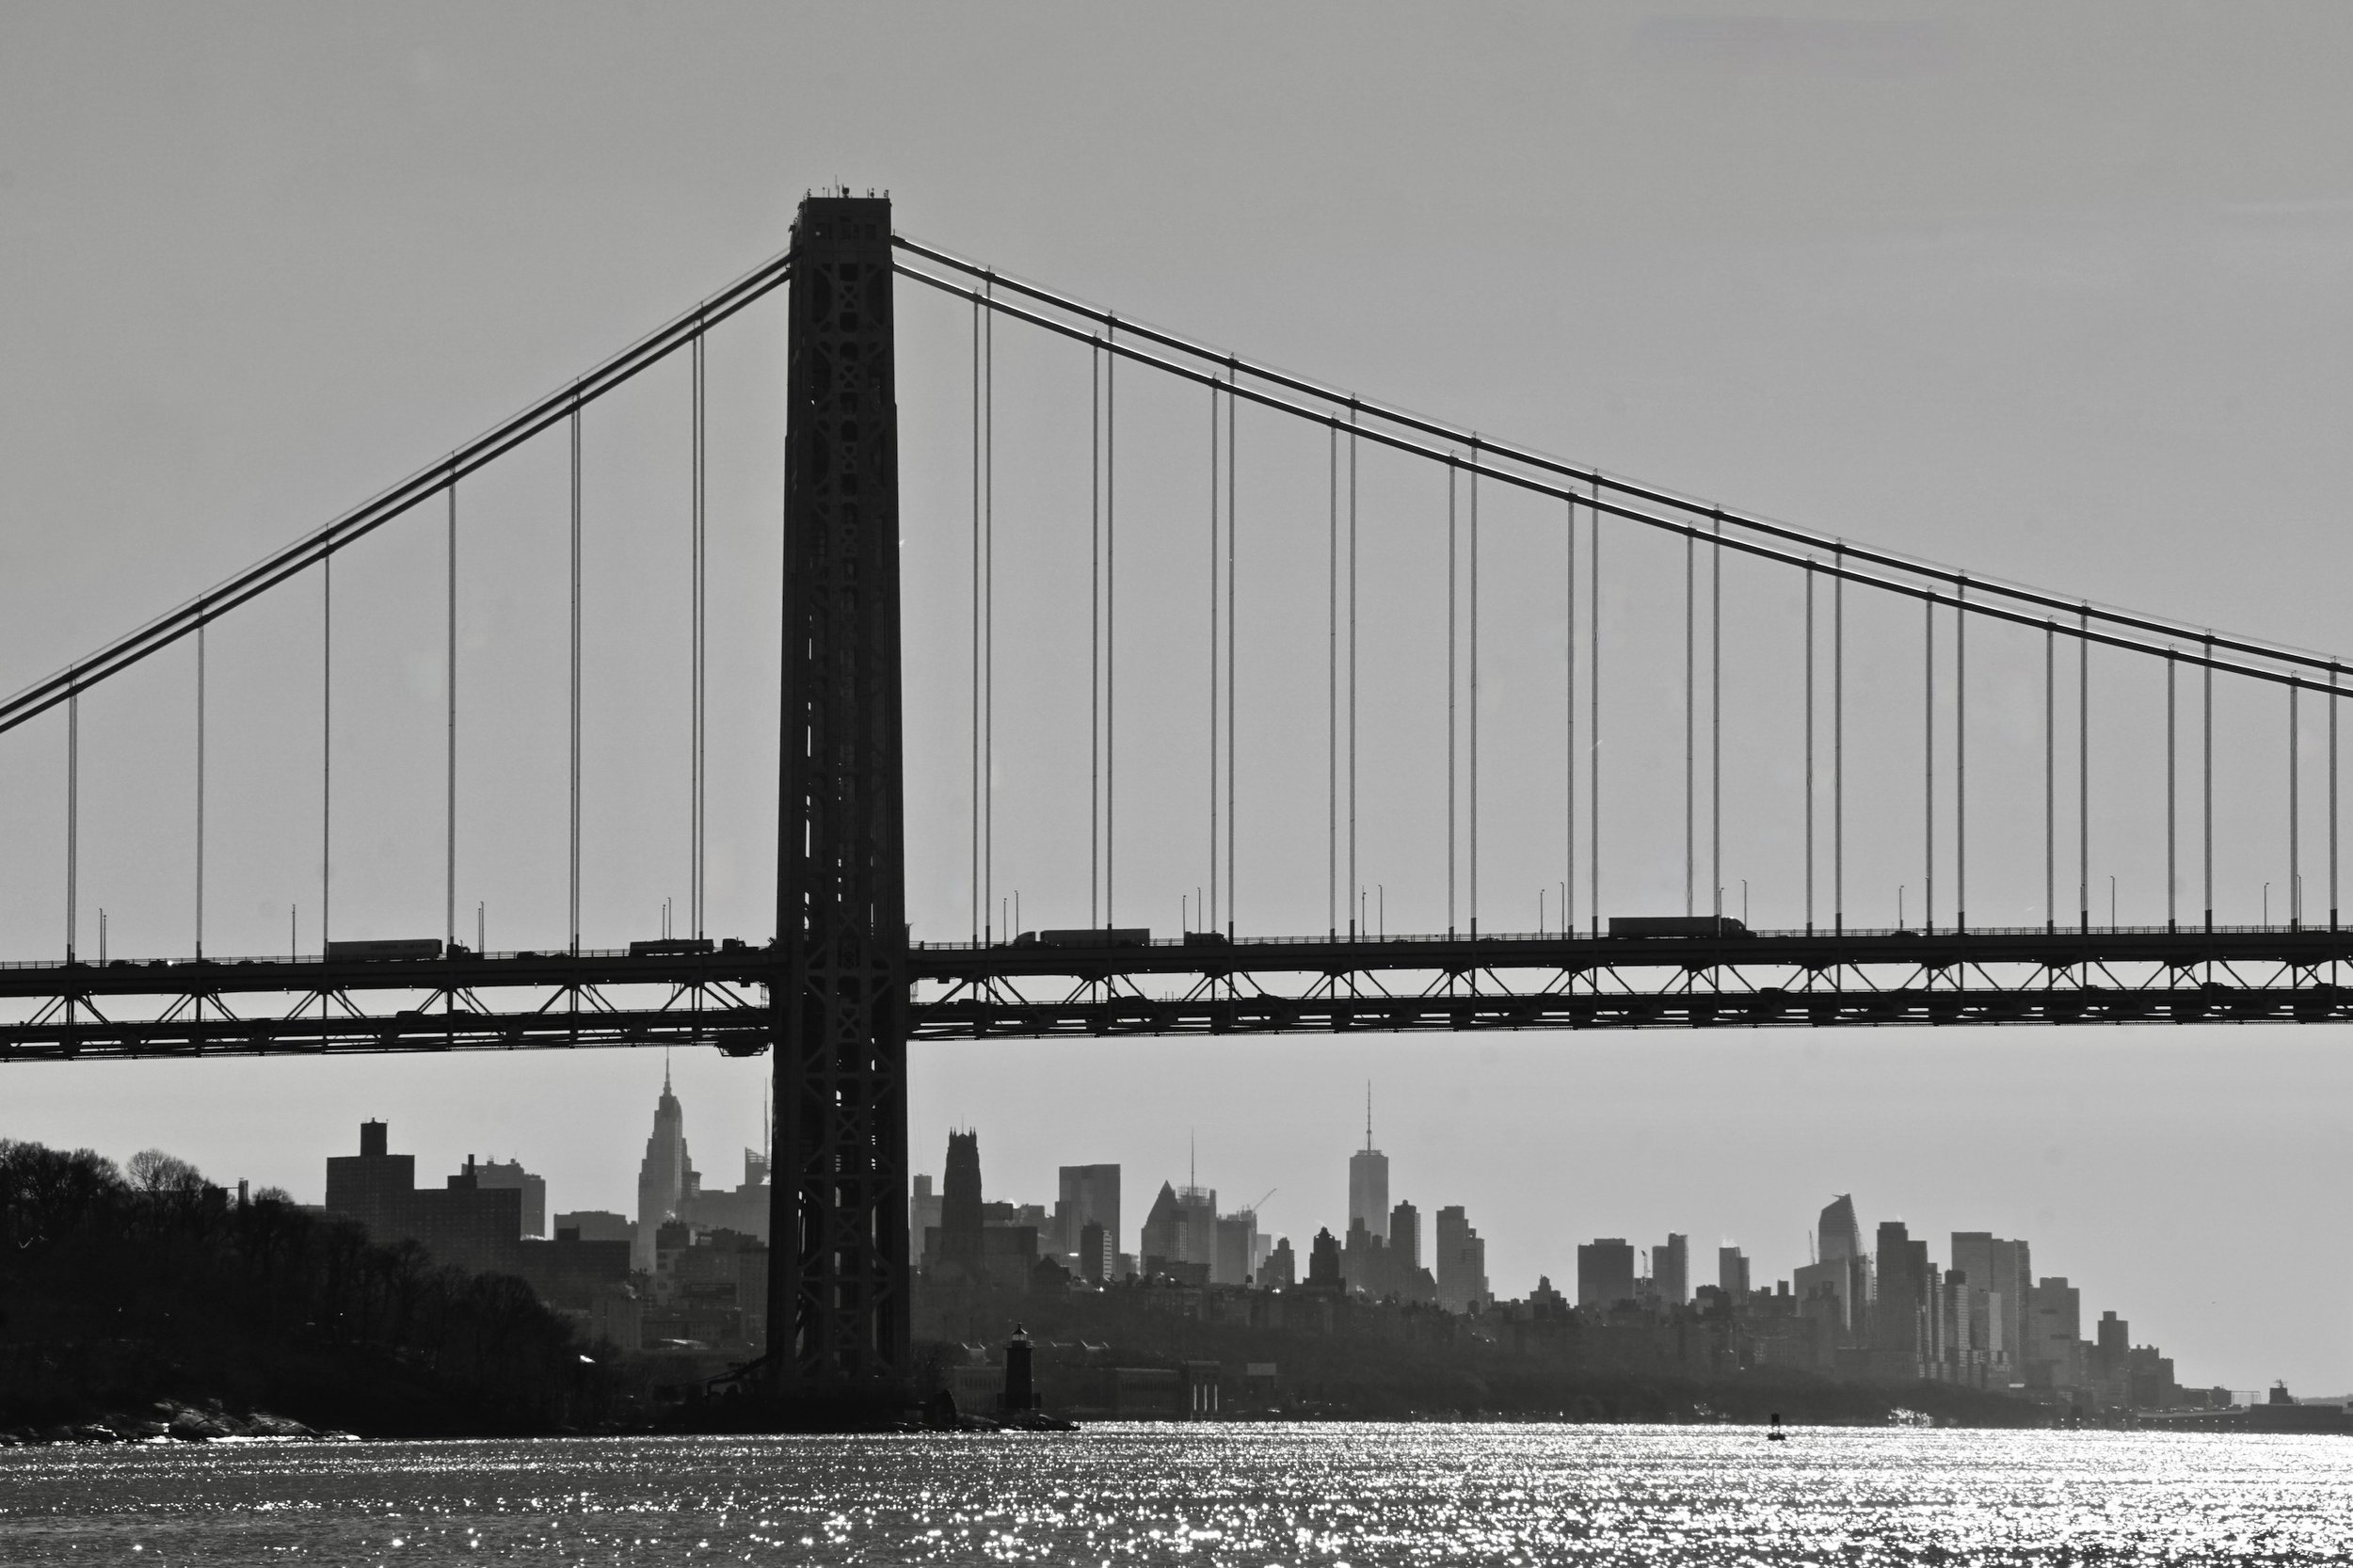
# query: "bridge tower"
{"type": "Point", "coordinates": [837, 1301]}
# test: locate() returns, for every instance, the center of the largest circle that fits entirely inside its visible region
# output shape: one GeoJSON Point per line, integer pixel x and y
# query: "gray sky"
{"type": "Point", "coordinates": [2054, 296]}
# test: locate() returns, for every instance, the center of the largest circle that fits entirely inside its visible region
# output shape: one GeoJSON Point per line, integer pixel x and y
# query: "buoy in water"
{"type": "Point", "coordinates": [1776, 1435]}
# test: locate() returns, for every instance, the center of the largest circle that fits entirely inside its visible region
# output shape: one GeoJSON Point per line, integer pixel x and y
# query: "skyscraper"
{"type": "Point", "coordinates": [666, 1177]}
{"type": "Point", "coordinates": [922, 1215]}
{"type": "Point", "coordinates": [1404, 1239]}
{"type": "Point", "coordinates": [1368, 1182]}
{"type": "Point", "coordinates": [1462, 1262]}
{"type": "Point", "coordinates": [1090, 1194]}
{"type": "Point", "coordinates": [1732, 1274]}
{"type": "Point", "coordinates": [960, 1202]}
{"type": "Point", "coordinates": [1671, 1269]}
{"type": "Point", "coordinates": [1898, 1316]}
{"type": "Point", "coordinates": [490, 1173]}
{"type": "Point", "coordinates": [1838, 1235]}
{"type": "Point", "coordinates": [1841, 1264]}
{"type": "Point", "coordinates": [1605, 1272]}
{"type": "Point", "coordinates": [2005, 1271]}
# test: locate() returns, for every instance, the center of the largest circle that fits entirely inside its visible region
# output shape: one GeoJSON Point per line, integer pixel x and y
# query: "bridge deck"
{"type": "Point", "coordinates": [302, 1006]}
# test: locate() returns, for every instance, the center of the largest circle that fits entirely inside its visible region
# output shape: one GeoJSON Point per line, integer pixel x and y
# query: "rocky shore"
{"type": "Point", "coordinates": [168, 1420]}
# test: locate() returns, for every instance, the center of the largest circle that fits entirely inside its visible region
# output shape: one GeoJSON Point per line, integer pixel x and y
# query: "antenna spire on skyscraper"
{"type": "Point", "coordinates": [1367, 1112]}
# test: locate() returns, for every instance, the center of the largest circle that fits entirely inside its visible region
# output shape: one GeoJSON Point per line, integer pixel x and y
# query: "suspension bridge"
{"type": "Point", "coordinates": [1567, 738]}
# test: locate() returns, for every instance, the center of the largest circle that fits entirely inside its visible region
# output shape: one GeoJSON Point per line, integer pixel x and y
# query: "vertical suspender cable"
{"type": "Point", "coordinates": [2083, 771]}
{"type": "Point", "coordinates": [1111, 621]}
{"type": "Point", "coordinates": [1332, 691]}
{"type": "Point", "coordinates": [1716, 720]}
{"type": "Point", "coordinates": [1960, 759]}
{"type": "Point", "coordinates": [2172, 796]}
{"type": "Point", "coordinates": [1452, 755]}
{"type": "Point", "coordinates": [327, 746]}
{"type": "Point", "coordinates": [575, 779]}
{"type": "Point", "coordinates": [72, 814]}
{"type": "Point", "coordinates": [988, 616]}
{"type": "Point", "coordinates": [1568, 717]}
{"type": "Point", "coordinates": [2050, 777]}
{"type": "Point", "coordinates": [1233, 465]}
{"type": "Point", "coordinates": [1809, 745]}
{"type": "Point", "coordinates": [201, 621]}
{"type": "Point", "coordinates": [1353, 885]}
{"type": "Point", "coordinates": [1691, 705]}
{"type": "Point", "coordinates": [1928, 754]}
{"type": "Point", "coordinates": [1210, 921]}
{"type": "Point", "coordinates": [700, 829]}
{"type": "Point", "coordinates": [2295, 879]}
{"type": "Point", "coordinates": [449, 838]}
{"type": "Point", "coordinates": [979, 896]}
{"type": "Point", "coordinates": [1474, 690]}
{"type": "Point", "coordinates": [1838, 742]}
{"type": "Point", "coordinates": [2333, 797]}
{"type": "Point", "coordinates": [1095, 642]}
{"type": "Point", "coordinates": [1592, 726]}
{"type": "Point", "coordinates": [2206, 789]}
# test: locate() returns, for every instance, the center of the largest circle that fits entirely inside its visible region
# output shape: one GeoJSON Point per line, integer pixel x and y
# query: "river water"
{"type": "Point", "coordinates": [1323, 1494]}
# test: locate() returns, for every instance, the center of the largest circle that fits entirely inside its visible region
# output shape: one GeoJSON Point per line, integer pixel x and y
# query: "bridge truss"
{"type": "Point", "coordinates": [961, 991]}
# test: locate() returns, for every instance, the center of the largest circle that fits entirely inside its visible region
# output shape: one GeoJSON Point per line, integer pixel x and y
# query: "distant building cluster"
{"type": "Point", "coordinates": [1881, 1312]}
{"type": "Point", "coordinates": [686, 1276]}
{"type": "Point", "coordinates": [955, 1236]}
{"type": "Point", "coordinates": [1876, 1309]}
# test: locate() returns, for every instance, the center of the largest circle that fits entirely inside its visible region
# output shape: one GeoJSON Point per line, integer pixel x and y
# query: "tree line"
{"type": "Point", "coordinates": [119, 1287]}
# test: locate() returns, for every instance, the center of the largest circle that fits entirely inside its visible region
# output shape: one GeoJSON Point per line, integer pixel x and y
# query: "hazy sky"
{"type": "Point", "coordinates": [2055, 295]}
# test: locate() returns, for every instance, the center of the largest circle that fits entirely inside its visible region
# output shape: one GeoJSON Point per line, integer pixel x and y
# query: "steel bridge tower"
{"type": "Point", "coordinates": [838, 1304]}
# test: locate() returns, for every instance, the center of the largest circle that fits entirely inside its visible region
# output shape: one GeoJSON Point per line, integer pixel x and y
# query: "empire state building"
{"type": "Point", "coordinates": [666, 1177]}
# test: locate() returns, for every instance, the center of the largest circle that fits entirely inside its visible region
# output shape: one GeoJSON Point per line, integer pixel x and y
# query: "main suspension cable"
{"type": "Point", "coordinates": [1803, 539]}
{"type": "Point", "coordinates": [1926, 588]}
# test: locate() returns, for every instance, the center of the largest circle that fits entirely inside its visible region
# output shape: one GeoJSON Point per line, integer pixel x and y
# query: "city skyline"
{"type": "Point", "coordinates": [2128, 335]}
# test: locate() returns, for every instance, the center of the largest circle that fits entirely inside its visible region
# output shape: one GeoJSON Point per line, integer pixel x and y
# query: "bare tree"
{"type": "Point", "coordinates": [153, 1171]}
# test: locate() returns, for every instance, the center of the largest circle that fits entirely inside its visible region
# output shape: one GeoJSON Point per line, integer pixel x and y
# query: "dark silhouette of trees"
{"type": "Point", "coordinates": [118, 1290]}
